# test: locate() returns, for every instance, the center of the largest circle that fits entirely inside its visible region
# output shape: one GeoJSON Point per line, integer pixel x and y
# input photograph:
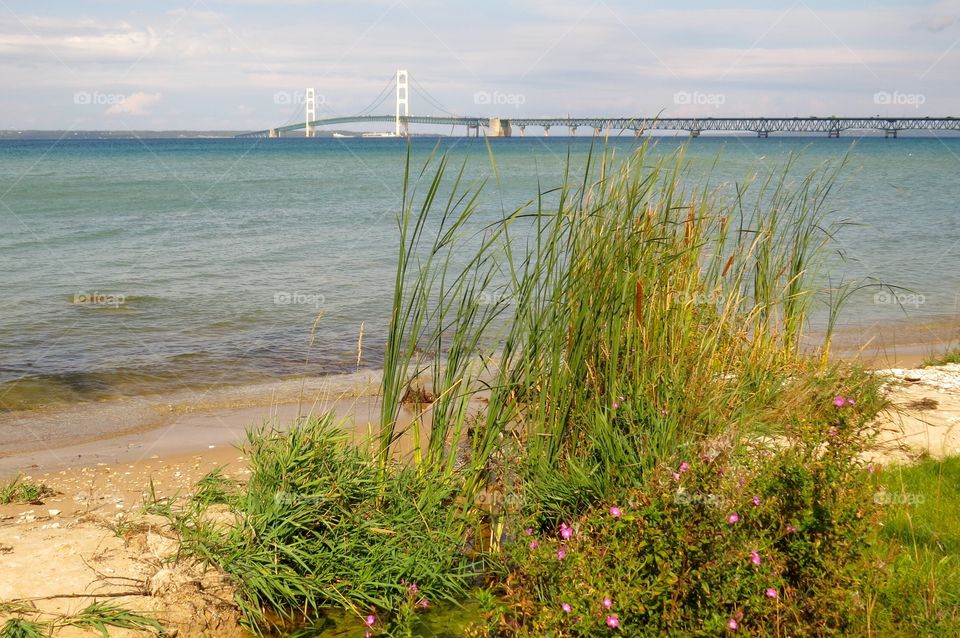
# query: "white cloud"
{"type": "Point", "coordinates": [135, 104]}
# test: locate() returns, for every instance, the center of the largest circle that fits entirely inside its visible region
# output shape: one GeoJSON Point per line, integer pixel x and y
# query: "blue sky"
{"type": "Point", "coordinates": [243, 64]}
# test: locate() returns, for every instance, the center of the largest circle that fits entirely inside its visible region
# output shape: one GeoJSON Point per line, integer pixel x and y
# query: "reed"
{"type": "Point", "coordinates": [643, 317]}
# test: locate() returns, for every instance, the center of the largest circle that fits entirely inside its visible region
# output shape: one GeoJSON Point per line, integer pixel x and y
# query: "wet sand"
{"type": "Point", "coordinates": [903, 344]}
{"type": "Point", "coordinates": [134, 429]}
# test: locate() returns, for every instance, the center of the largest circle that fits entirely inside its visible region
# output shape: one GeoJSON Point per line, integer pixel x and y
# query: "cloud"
{"type": "Point", "coordinates": [937, 24]}
{"type": "Point", "coordinates": [135, 104]}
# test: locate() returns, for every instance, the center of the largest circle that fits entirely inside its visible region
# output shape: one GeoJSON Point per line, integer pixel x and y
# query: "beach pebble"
{"type": "Point", "coordinates": [53, 512]}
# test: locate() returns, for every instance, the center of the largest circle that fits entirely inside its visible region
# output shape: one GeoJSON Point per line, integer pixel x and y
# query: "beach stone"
{"type": "Point", "coordinates": [160, 546]}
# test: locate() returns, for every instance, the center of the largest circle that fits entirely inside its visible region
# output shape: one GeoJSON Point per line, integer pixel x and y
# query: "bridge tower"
{"type": "Point", "coordinates": [403, 102]}
{"type": "Point", "coordinates": [311, 106]}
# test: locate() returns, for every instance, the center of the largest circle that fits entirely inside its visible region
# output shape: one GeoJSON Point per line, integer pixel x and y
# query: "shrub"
{"type": "Point", "coordinates": [768, 538]}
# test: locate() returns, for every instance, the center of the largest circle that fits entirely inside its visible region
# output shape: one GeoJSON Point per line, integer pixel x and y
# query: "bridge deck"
{"type": "Point", "coordinates": [759, 125]}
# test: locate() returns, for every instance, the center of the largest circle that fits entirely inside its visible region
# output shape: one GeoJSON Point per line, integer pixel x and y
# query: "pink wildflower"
{"type": "Point", "coordinates": [755, 558]}
{"type": "Point", "coordinates": [684, 466]}
{"type": "Point", "coordinates": [791, 529]}
{"type": "Point", "coordinates": [371, 620]}
{"type": "Point", "coordinates": [676, 476]}
{"type": "Point", "coordinates": [566, 608]}
{"type": "Point", "coordinates": [566, 532]}
{"type": "Point", "coordinates": [534, 544]}
{"type": "Point", "coordinates": [771, 592]}
{"type": "Point", "coordinates": [423, 603]}
{"type": "Point", "coordinates": [615, 512]}
{"type": "Point", "coordinates": [733, 518]}
{"type": "Point", "coordinates": [561, 553]}
{"type": "Point", "coordinates": [528, 531]}
{"type": "Point", "coordinates": [733, 624]}
{"type": "Point", "coordinates": [607, 603]}
{"type": "Point", "coordinates": [613, 621]}
{"type": "Point", "coordinates": [839, 401]}
{"type": "Point", "coordinates": [756, 501]}
{"type": "Point", "coordinates": [615, 405]}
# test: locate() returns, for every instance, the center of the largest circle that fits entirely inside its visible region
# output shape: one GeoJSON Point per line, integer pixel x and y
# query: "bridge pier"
{"type": "Point", "coordinates": [694, 132]}
{"type": "Point", "coordinates": [572, 130]}
{"type": "Point", "coordinates": [834, 132]}
{"type": "Point", "coordinates": [597, 131]}
{"type": "Point", "coordinates": [273, 133]}
{"type": "Point", "coordinates": [523, 130]}
{"type": "Point", "coordinates": [499, 127]}
{"type": "Point", "coordinates": [763, 134]}
{"type": "Point", "coordinates": [890, 132]}
{"type": "Point", "coordinates": [546, 131]}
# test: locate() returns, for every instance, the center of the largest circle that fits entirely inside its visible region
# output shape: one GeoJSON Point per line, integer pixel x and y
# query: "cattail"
{"type": "Point", "coordinates": [726, 266]}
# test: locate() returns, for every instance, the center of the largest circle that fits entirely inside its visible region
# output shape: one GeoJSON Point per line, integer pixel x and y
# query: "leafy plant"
{"type": "Point", "coordinates": [21, 490]}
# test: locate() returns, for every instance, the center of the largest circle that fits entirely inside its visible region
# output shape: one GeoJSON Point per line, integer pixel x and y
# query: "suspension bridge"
{"type": "Point", "coordinates": [401, 119]}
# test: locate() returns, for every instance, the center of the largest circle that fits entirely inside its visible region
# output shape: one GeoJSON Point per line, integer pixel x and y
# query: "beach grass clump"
{"type": "Point", "coordinates": [632, 317]}
{"type": "Point", "coordinates": [765, 539]}
{"type": "Point", "coordinates": [25, 621]}
{"type": "Point", "coordinates": [321, 525]}
{"type": "Point", "coordinates": [23, 490]}
{"type": "Point", "coordinates": [945, 358]}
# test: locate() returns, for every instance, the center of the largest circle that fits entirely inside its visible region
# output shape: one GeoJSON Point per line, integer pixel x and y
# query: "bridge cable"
{"type": "Point", "coordinates": [424, 93]}
{"type": "Point", "coordinates": [377, 101]}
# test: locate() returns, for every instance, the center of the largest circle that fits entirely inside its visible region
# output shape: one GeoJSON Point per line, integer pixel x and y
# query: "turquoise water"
{"type": "Point", "coordinates": [129, 266]}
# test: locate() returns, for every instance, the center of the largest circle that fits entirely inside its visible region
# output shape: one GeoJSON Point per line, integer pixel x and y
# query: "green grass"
{"type": "Point", "coordinates": [951, 356]}
{"type": "Point", "coordinates": [28, 622]}
{"type": "Point", "coordinates": [21, 490]}
{"type": "Point", "coordinates": [921, 537]}
{"type": "Point", "coordinates": [323, 524]}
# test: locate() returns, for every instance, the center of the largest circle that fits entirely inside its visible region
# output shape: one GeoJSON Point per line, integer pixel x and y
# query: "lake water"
{"type": "Point", "coordinates": [207, 261]}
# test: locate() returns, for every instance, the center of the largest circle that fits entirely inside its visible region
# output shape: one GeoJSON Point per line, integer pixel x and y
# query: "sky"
{"type": "Point", "coordinates": [245, 64]}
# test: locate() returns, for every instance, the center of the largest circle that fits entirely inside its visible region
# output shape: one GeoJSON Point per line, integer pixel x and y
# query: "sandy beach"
{"type": "Point", "coordinates": [91, 541]}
